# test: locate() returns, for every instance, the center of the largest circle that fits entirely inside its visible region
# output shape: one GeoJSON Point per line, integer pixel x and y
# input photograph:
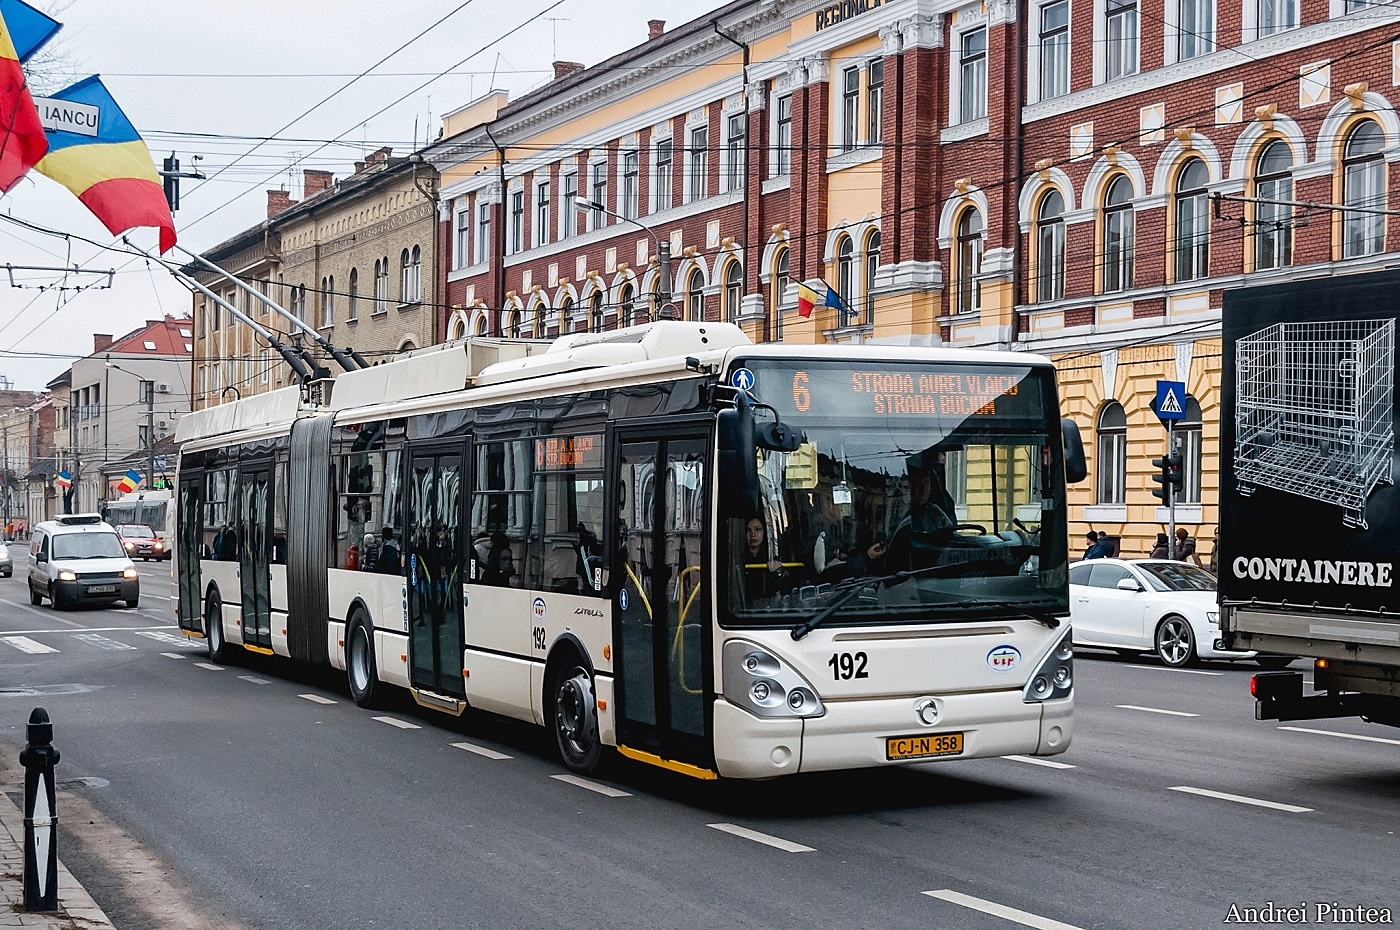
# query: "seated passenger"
{"type": "Point", "coordinates": [763, 575]}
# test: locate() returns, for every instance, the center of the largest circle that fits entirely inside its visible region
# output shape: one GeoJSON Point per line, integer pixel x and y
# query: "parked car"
{"type": "Point", "coordinates": [7, 565]}
{"type": "Point", "coordinates": [141, 542]}
{"type": "Point", "coordinates": [78, 559]}
{"type": "Point", "coordinates": [1160, 605]}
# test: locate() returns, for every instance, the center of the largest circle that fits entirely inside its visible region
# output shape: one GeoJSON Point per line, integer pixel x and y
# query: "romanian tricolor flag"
{"type": "Point", "coordinates": [130, 481]}
{"type": "Point", "coordinates": [806, 300]}
{"type": "Point", "coordinates": [64, 480]}
{"type": "Point", "coordinates": [22, 142]}
{"type": "Point", "coordinates": [99, 156]}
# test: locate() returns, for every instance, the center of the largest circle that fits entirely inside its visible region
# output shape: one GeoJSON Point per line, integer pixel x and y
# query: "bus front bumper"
{"type": "Point", "coordinates": [854, 734]}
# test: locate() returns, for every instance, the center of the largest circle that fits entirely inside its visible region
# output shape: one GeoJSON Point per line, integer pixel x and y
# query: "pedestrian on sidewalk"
{"type": "Point", "coordinates": [1161, 549]}
{"type": "Point", "coordinates": [1186, 548]}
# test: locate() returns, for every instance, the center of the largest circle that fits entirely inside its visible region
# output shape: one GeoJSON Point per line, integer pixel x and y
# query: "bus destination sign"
{"type": "Point", "coordinates": [567, 453]}
{"type": "Point", "coordinates": [918, 393]}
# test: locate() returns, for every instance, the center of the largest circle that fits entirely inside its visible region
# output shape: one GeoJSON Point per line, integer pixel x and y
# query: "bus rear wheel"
{"type": "Point", "coordinates": [360, 668]}
{"type": "Point", "coordinates": [574, 718]}
{"type": "Point", "coordinates": [219, 651]}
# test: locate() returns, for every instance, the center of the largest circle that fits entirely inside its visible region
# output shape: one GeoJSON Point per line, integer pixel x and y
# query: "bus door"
{"type": "Point", "coordinates": [433, 548]}
{"type": "Point", "coordinates": [661, 604]}
{"type": "Point", "coordinates": [255, 552]}
{"type": "Point", "coordinates": [189, 540]}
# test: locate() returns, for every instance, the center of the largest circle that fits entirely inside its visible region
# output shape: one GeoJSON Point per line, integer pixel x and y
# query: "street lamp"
{"type": "Point", "coordinates": [149, 387]}
{"type": "Point", "coordinates": [667, 309]}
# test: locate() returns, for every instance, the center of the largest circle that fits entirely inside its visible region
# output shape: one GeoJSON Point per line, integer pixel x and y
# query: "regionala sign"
{"type": "Point", "coordinates": [846, 9]}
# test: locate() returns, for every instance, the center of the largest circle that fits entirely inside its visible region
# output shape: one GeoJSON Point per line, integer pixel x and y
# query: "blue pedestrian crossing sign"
{"type": "Point", "coordinates": [742, 379]}
{"type": "Point", "coordinates": [1171, 400]}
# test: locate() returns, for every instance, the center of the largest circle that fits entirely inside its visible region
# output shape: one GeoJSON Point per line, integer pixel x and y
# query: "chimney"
{"type": "Point", "coordinates": [313, 182]}
{"type": "Point", "coordinates": [101, 342]}
{"type": "Point", "coordinates": [656, 28]}
{"type": "Point", "coordinates": [277, 201]}
{"type": "Point", "coordinates": [359, 166]}
{"type": "Point", "coordinates": [379, 155]}
{"type": "Point", "coordinates": [566, 68]}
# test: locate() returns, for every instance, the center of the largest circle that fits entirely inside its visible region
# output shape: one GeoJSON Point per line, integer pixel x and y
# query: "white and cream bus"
{"type": "Point", "coordinates": [722, 558]}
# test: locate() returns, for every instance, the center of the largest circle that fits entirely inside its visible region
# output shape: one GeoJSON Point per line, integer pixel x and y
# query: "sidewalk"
{"type": "Point", "coordinates": [76, 909]}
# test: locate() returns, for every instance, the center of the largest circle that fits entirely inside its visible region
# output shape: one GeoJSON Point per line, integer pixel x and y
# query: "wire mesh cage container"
{"type": "Point", "coordinates": [1314, 411]}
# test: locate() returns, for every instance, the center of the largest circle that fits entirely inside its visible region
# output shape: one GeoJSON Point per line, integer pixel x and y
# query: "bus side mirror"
{"type": "Point", "coordinates": [738, 459]}
{"type": "Point", "coordinates": [779, 437]}
{"type": "Point", "coordinates": [1075, 468]}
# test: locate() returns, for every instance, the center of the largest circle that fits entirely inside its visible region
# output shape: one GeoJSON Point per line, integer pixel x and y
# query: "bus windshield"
{"type": "Point", "coordinates": [947, 472]}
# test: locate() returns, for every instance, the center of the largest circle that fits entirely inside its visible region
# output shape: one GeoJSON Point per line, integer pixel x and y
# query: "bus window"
{"type": "Point", "coordinates": [500, 513]}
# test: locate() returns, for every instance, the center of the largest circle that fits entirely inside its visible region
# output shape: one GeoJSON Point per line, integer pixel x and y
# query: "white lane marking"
{"type": "Point", "coordinates": [1032, 760]}
{"type": "Point", "coordinates": [209, 665]}
{"type": "Point", "coordinates": [31, 646]}
{"type": "Point", "coordinates": [1241, 799]}
{"type": "Point", "coordinates": [592, 786]}
{"type": "Point", "coordinates": [764, 838]}
{"type": "Point", "coordinates": [316, 699]}
{"type": "Point", "coordinates": [99, 629]}
{"type": "Point", "coordinates": [254, 679]}
{"type": "Point", "coordinates": [1369, 739]}
{"type": "Point", "coordinates": [161, 636]}
{"type": "Point", "coordinates": [172, 655]}
{"type": "Point", "coordinates": [1185, 671]}
{"type": "Point", "coordinates": [396, 722]}
{"type": "Point", "coordinates": [1156, 710]}
{"type": "Point", "coordinates": [159, 597]}
{"type": "Point", "coordinates": [481, 751]}
{"type": "Point", "coordinates": [1015, 915]}
{"type": "Point", "coordinates": [102, 642]}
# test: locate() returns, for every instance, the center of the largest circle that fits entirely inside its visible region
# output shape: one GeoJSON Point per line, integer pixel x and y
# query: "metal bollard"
{"type": "Point", "coordinates": [40, 819]}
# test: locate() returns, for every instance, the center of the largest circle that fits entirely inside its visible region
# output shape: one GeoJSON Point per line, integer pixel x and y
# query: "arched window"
{"type": "Point", "coordinates": [1192, 222]}
{"type": "Point", "coordinates": [595, 312]}
{"type": "Point", "coordinates": [1189, 429]}
{"type": "Point", "coordinates": [845, 275]}
{"type": "Point", "coordinates": [328, 300]}
{"type": "Point", "coordinates": [1363, 185]}
{"type": "Point", "coordinates": [1118, 235]}
{"type": "Point", "coordinates": [405, 277]}
{"type": "Point", "coordinates": [381, 285]}
{"type": "Point", "coordinates": [566, 315]}
{"type": "Point", "coordinates": [1050, 247]}
{"type": "Point", "coordinates": [512, 326]}
{"type": "Point", "coordinates": [480, 325]}
{"type": "Point", "coordinates": [733, 289]}
{"type": "Point", "coordinates": [354, 312]}
{"type": "Point", "coordinates": [537, 321]}
{"type": "Point", "coordinates": [1113, 454]}
{"type": "Point", "coordinates": [653, 302]}
{"type": "Point", "coordinates": [695, 296]}
{"type": "Point", "coordinates": [780, 287]}
{"type": "Point", "coordinates": [1273, 222]}
{"type": "Point", "coordinates": [625, 305]}
{"type": "Point", "coordinates": [969, 260]}
{"type": "Point", "coordinates": [415, 277]}
{"type": "Point", "coordinates": [872, 265]}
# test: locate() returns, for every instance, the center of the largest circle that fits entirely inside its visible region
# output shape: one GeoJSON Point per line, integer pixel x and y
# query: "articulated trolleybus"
{"type": "Point", "coordinates": [721, 558]}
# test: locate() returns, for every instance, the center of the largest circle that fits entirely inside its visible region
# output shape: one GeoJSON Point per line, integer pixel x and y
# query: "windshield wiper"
{"type": "Point", "coordinates": [1038, 616]}
{"type": "Point", "coordinates": [858, 585]}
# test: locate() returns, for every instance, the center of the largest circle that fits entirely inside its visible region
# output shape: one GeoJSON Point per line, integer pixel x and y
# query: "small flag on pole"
{"type": "Point", "coordinates": [806, 300]}
{"type": "Point", "coordinates": [837, 302]}
{"type": "Point", "coordinates": [130, 481]}
{"type": "Point", "coordinates": [64, 480]}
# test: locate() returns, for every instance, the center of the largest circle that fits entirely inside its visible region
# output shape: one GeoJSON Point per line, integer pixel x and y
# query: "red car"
{"type": "Point", "coordinates": [140, 542]}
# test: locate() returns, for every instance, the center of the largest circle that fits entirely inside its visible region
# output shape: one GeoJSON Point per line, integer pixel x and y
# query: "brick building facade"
{"type": "Point", "coordinates": [1063, 201]}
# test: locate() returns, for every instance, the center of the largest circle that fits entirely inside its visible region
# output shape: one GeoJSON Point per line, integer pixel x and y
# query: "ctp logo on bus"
{"type": "Point", "coordinates": [1004, 658]}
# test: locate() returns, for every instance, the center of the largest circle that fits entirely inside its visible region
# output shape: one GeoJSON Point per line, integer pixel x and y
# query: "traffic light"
{"type": "Point", "coordinates": [1164, 477]}
{"type": "Point", "coordinates": [1174, 469]}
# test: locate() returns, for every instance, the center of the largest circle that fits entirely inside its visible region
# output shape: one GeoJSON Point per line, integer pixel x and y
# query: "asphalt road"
{"type": "Point", "coordinates": [266, 799]}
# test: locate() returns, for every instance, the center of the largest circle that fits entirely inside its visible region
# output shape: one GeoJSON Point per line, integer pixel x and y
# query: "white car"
{"type": "Point", "coordinates": [1161, 605]}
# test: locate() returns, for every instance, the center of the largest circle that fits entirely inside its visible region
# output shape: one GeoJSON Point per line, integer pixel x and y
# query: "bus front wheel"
{"type": "Point", "coordinates": [574, 717]}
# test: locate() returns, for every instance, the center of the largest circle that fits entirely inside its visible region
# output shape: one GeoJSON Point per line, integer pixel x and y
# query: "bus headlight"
{"type": "Point", "coordinates": [766, 686]}
{"type": "Point", "coordinates": [1054, 677]}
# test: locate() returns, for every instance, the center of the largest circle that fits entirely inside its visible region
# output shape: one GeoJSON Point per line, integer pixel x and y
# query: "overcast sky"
{"type": "Point", "coordinates": [212, 77]}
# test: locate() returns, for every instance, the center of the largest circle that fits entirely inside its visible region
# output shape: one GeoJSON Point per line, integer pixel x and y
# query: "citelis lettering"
{"type": "Point", "coordinates": [1315, 571]}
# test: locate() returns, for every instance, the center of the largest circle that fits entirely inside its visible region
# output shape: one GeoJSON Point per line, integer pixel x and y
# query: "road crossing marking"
{"type": "Point", "coordinates": [209, 665]}
{"type": "Point", "coordinates": [1032, 760]}
{"type": "Point", "coordinates": [764, 838]}
{"type": "Point", "coordinates": [31, 646]}
{"type": "Point", "coordinates": [1156, 710]}
{"type": "Point", "coordinates": [254, 679]}
{"type": "Point", "coordinates": [1369, 739]}
{"type": "Point", "coordinates": [1015, 915]}
{"type": "Point", "coordinates": [163, 637]}
{"type": "Point", "coordinates": [96, 629]}
{"type": "Point", "coordinates": [172, 655]}
{"type": "Point", "coordinates": [396, 722]}
{"type": "Point", "coordinates": [316, 699]}
{"type": "Point", "coordinates": [605, 790]}
{"type": "Point", "coordinates": [1241, 799]}
{"type": "Point", "coordinates": [1187, 671]}
{"type": "Point", "coordinates": [481, 751]}
{"type": "Point", "coordinates": [102, 642]}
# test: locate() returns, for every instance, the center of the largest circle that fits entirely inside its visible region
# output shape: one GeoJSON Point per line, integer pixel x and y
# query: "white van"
{"type": "Point", "coordinates": [78, 559]}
